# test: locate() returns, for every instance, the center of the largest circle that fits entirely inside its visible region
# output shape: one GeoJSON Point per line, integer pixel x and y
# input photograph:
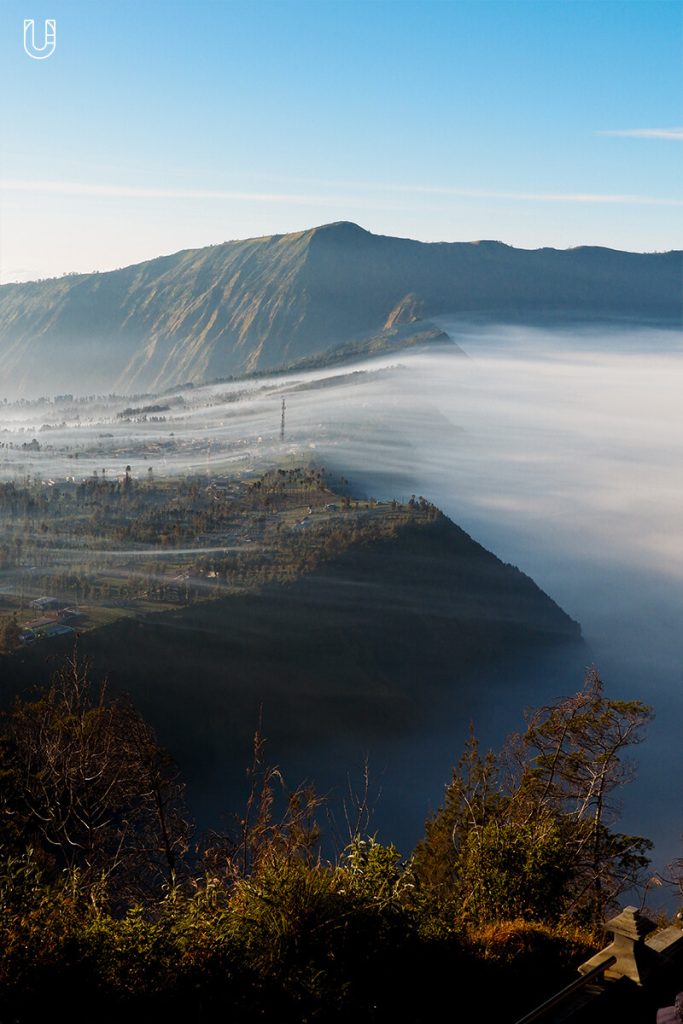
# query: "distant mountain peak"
{"type": "Point", "coordinates": [342, 225]}
{"type": "Point", "coordinates": [341, 229]}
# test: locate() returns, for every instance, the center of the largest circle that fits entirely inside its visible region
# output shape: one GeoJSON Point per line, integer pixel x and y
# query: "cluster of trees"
{"type": "Point", "coordinates": [142, 411]}
{"type": "Point", "coordinates": [327, 538]}
{"type": "Point", "coordinates": [106, 890]}
{"type": "Point", "coordinates": [10, 634]}
{"type": "Point", "coordinates": [529, 832]}
{"type": "Point", "coordinates": [86, 788]}
{"type": "Point", "coordinates": [25, 501]}
{"type": "Point", "coordinates": [300, 480]}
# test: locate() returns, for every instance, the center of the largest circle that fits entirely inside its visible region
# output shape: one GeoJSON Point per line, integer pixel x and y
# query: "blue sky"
{"type": "Point", "coordinates": [157, 126]}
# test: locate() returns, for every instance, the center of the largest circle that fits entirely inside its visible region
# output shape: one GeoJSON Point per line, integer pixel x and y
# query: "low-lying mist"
{"type": "Point", "coordinates": [559, 450]}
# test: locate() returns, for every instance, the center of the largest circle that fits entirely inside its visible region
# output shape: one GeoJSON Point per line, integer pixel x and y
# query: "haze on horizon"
{"type": "Point", "coordinates": [540, 123]}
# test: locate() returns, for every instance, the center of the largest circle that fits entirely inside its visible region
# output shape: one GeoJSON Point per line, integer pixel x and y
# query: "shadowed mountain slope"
{"type": "Point", "coordinates": [371, 645]}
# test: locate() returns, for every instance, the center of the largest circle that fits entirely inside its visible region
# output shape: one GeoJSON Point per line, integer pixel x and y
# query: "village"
{"type": "Point", "coordinates": [78, 555]}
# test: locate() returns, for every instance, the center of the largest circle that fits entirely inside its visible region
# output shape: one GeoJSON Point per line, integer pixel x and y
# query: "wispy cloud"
{"type": "Point", "coordinates": [544, 197]}
{"type": "Point", "coordinates": [143, 192]}
{"type": "Point", "coordinates": [647, 133]}
{"type": "Point", "coordinates": [324, 199]}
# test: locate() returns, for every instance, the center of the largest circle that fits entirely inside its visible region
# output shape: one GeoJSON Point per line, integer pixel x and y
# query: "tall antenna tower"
{"type": "Point", "coordinates": [282, 421]}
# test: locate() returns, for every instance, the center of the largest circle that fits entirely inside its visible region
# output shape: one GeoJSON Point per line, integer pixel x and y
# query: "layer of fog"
{"type": "Point", "coordinates": [561, 451]}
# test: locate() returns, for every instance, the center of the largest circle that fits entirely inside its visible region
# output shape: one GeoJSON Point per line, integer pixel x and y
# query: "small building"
{"type": "Point", "coordinates": [44, 620]}
{"type": "Point", "coordinates": [71, 615]}
{"type": "Point", "coordinates": [51, 630]}
{"type": "Point", "coordinates": [45, 604]}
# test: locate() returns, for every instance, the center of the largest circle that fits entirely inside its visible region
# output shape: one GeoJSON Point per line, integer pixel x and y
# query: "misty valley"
{"type": "Point", "coordinates": [262, 538]}
{"type": "Point", "coordinates": [312, 586]}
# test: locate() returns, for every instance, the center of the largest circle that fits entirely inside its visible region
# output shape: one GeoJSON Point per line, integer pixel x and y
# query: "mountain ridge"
{"type": "Point", "coordinates": [267, 302]}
